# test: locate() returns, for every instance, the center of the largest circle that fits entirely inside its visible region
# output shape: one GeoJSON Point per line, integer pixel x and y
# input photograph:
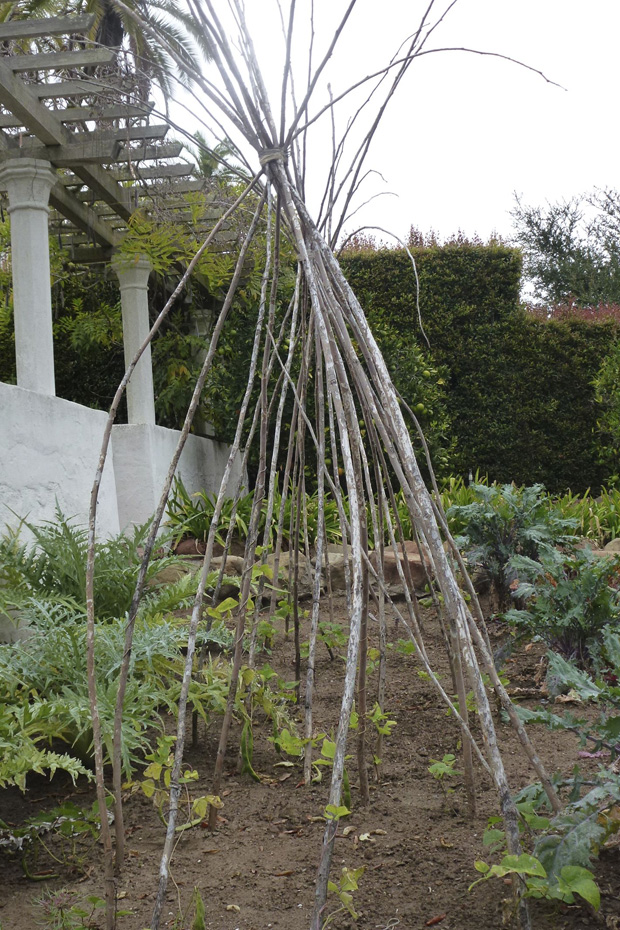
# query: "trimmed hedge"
{"type": "Point", "coordinates": [520, 393]}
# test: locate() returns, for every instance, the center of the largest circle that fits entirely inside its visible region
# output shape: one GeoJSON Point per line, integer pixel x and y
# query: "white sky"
{"type": "Point", "coordinates": [464, 131]}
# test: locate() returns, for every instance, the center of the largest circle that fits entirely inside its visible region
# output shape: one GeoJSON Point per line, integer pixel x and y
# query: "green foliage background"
{"type": "Point", "coordinates": [501, 391]}
{"type": "Point", "coordinates": [521, 397]}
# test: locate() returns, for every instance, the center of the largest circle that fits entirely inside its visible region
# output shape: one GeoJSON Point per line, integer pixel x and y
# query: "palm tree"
{"type": "Point", "coordinates": [215, 161]}
{"type": "Point", "coordinates": [147, 57]}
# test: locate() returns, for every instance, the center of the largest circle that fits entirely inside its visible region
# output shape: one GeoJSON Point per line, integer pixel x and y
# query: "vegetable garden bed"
{"type": "Point", "coordinates": [415, 842]}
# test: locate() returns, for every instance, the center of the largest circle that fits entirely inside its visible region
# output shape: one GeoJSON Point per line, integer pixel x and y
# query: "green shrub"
{"type": "Point", "coordinates": [53, 565]}
{"type": "Point", "coordinates": [571, 599]}
{"type": "Point", "coordinates": [504, 522]}
{"type": "Point", "coordinates": [520, 394]}
{"type": "Point", "coordinates": [191, 515]}
{"type": "Point", "coordinates": [598, 518]}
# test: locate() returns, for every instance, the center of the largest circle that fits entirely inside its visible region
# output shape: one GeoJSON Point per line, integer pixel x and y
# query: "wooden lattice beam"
{"type": "Point", "coordinates": [139, 173]}
{"type": "Point", "coordinates": [60, 148]}
{"type": "Point", "coordinates": [82, 216]}
{"type": "Point", "coordinates": [149, 152]}
{"type": "Point", "coordinates": [46, 26]}
{"type": "Point", "coordinates": [55, 61]}
{"type": "Point", "coordinates": [81, 156]}
{"type": "Point", "coordinates": [84, 114]}
{"type": "Point", "coordinates": [99, 209]}
{"type": "Point", "coordinates": [128, 133]}
{"type": "Point", "coordinates": [81, 88]}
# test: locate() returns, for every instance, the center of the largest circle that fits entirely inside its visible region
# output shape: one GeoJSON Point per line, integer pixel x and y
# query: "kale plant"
{"type": "Point", "coordinates": [570, 598]}
{"type": "Point", "coordinates": [507, 521]}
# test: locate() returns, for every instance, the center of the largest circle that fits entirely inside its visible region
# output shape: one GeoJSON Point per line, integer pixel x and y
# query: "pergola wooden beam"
{"type": "Point", "coordinates": [81, 88]}
{"type": "Point", "coordinates": [129, 133]}
{"type": "Point", "coordinates": [19, 99]}
{"type": "Point", "coordinates": [84, 114]}
{"type": "Point", "coordinates": [106, 188]}
{"type": "Point", "coordinates": [159, 172]}
{"type": "Point", "coordinates": [156, 173]}
{"type": "Point", "coordinates": [46, 26]}
{"type": "Point", "coordinates": [99, 207]}
{"type": "Point", "coordinates": [86, 155]}
{"type": "Point", "coordinates": [53, 61]}
{"type": "Point", "coordinates": [149, 152]}
{"type": "Point", "coordinates": [59, 143]}
{"type": "Point", "coordinates": [82, 255]}
{"type": "Point", "coordinates": [149, 192]}
{"type": "Point", "coordinates": [82, 216]}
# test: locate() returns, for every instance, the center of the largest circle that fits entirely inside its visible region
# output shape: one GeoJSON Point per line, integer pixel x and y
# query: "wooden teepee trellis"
{"type": "Point", "coordinates": [327, 327]}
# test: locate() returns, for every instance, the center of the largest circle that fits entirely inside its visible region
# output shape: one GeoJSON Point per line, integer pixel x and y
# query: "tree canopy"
{"type": "Point", "coordinates": [571, 248]}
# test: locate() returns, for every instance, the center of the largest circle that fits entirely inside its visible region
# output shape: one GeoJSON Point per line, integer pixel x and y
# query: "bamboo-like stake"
{"type": "Point", "coordinates": [187, 674]}
{"type": "Point", "coordinates": [316, 590]}
{"type": "Point", "coordinates": [421, 511]}
{"type": "Point", "coordinates": [379, 551]}
{"type": "Point", "coordinates": [271, 495]}
{"type": "Point", "coordinates": [295, 543]}
{"type": "Point", "coordinates": [251, 541]}
{"type": "Point", "coordinates": [155, 524]}
{"type": "Point", "coordinates": [480, 636]}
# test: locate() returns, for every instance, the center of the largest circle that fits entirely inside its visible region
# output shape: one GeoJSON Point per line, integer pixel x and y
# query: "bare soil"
{"type": "Point", "coordinates": [256, 872]}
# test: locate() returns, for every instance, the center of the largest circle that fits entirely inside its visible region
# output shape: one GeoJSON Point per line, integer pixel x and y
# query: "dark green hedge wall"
{"type": "Point", "coordinates": [520, 392]}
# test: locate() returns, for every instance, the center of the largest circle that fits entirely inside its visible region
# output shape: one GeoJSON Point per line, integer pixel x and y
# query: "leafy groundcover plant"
{"type": "Point", "coordinates": [563, 846]}
{"type": "Point", "coordinates": [45, 721]}
{"type": "Point", "coordinates": [504, 522]}
{"type": "Point", "coordinates": [571, 598]}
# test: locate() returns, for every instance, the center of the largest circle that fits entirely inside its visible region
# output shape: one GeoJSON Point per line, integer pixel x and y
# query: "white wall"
{"type": "Point", "coordinates": [142, 455]}
{"type": "Point", "coordinates": [49, 449]}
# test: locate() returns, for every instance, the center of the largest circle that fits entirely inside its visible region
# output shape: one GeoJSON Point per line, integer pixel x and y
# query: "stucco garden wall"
{"type": "Point", "coordinates": [48, 452]}
{"type": "Point", "coordinates": [49, 449]}
{"type": "Point", "coordinates": [142, 455]}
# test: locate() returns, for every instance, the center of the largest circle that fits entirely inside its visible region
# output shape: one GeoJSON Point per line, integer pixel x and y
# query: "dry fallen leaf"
{"type": "Point", "coordinates": [348, 830]}
{"type": "Point", "coordinates": [571, 698]}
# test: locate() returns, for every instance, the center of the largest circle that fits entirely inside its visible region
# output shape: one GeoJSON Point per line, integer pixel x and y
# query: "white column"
{"type": "Point", "coordinates": [133, 276]}
{"type": "Point", "coordinates": [28, 182]}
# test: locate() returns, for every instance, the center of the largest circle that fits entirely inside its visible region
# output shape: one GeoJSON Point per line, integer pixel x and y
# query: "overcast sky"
{"type": "Point", "coordinates": [465, 131]}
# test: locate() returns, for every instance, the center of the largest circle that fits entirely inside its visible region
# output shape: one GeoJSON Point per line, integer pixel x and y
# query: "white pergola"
{"type": "Point", "coordinates": [78, 156]}
{"type": "Point", "coordinates": [78, 172]}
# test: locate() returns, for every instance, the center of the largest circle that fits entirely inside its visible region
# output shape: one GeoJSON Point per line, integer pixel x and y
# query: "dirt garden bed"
{"type": "Point", "coordinates": [256, 871]}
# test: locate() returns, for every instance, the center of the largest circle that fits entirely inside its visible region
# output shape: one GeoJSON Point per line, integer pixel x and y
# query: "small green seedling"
{"type": "Point", "coordinates": [443, 770]}
{"type": "Point", "coordinates": [65, 910]}
{"type": "Point", "coordinates": [328, 752]}
{"type": "Point", "coordinates": [405, 647]}
{"type": "Point", "coordinates": [343, 889]}
{"type": "Point", "coordinates": [381, 721]}
{"type": "Point", "coordinates": [572, 879]}
{"type": "Point", "coordinates": [157, 780]}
